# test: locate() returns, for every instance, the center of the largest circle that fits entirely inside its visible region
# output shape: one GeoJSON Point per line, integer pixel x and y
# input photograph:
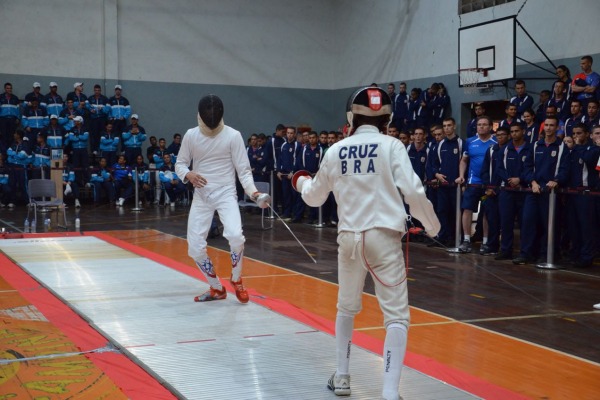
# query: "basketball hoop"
{"type": "Point", "coordinates": [470, 77]}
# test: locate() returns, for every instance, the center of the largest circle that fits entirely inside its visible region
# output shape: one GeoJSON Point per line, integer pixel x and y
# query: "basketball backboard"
{"type": "Point", "coordinates": [490, 45]}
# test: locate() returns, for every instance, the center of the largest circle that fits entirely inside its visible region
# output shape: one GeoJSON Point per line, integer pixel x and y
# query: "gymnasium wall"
{"type": "Point", "coordinates": [271, 61]}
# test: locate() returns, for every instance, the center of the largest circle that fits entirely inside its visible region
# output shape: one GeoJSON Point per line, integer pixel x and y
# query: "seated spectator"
{"type": "Point", "coordinates": [122, 178]}
{"type": "Point", "coordinates": [109, 144]}
{"type": "Point", "coordinates": [173, 186]}
{"type": "Point", "coordinates": [19, 158]}
{"type": "Point", "coordinates": [10, 115]}
{"type": "Point", "coordinates": [5, 190]}
{"type": "Point", "coordinates": [174, 147]}
{"type": "Point", "coordinates": [71, 188]}
{"type": "Point", "coordinates": [133, 138]}
{"type": "Point", "coordinates": [141, 176]}
{"type": "Point", "coordinates": [68, 114]}
{"type": "Point", "coordinates": [54, 133]}
{"type": "Point", "coordinates": [77, 138]}
{"type": "Point", "coordinates": [41, 160]}
{"type": "Point", "coordinates": [102, 182]}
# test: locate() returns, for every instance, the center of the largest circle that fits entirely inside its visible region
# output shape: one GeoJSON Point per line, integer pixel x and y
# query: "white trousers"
{"type": "Point", "coordinates": [380, 250]}
{"type": "Point", "coordinates": [205, 203]}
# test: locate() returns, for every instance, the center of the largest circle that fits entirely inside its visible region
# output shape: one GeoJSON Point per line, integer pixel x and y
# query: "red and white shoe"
{"type": "Point", "coordinates": [212, 294]}
{"type": "Point", "coordinates": [240, 291]}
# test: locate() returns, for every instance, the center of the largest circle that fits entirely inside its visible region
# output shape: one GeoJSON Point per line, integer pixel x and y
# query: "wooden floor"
{"type": "Point", "coordinates": [532, 333]}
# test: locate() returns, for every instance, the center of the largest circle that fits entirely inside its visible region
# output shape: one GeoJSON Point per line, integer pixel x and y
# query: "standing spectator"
{"type": "Point", "coordinates": [158, 158]}
{"type": "Point", "coordinates": [78, 97]}
{"type": "Point", "coordinates": [174, 147]}
{"type": "Point", "coordinates": [10, 114]}
{"type": "Point", "coordinates": [133, 138]}
{"type": "Point", "coordinates": [511, 115]}
{"type": "Point", "coordinates": [322, 139]}
{"type": "Point", "coordinates": [428, 106]}
{"type": "Point", "coordinates": [511, 202]}
{"type": "Point", "coordinates": [35, 94]}
{"type": "Point", "coordinates": [546, 167]}
{"type": "Point", "coordinates": [290, 152]}
{"type": "Point", "coordinates": [564, 75]}
{"type": "Point", "coordinates": [472, 161]}
{"type": "Point", "coordinates": [522, 100]}
{"type": "Point", "coordinates": [592, 117]}
{"type": "Point", "coordinates": [6, 193]}
{"type": "Point", "coordinates": [540, 112]}
{"type": "Point", "coordinates": [310, 160]}
{"type": "Point", "coordinates": [68, 114]}
{"type": "Point", "coordinates": [273, 153]}
{"type": "Point", "coordinates": [472, 126]}
{"type": "Point", "coordinates": [101, 180]}
{"type": "Point", "coordinates": [19, 158]}
{"type": "Point", "coordinates": [34, 119]}
{"type": "Point", "coordinates": [586, 82]}
{"type": "Point", "coordinates": [122, 178]}
{"type": "Point", "coordinates": [97, 106]}
{"type": "Point", "coordinates": [560, 101]}
{"type": "Point", "coordinates": [404, 138]}
{"type": "Point", "coordinates": [413, 106]}
{"type": "Point", "coordinates": [119, 111]}
{"type": "Point", "coordinates": [400, 118]}
{"type": "Point", "coordinates": [78, 138]}
{"type": "Point", "coordinates": [391, 91]}
{"type": "Point", "coordinates": [574, 119]}
{"type": "Point", "coordinates": [109, 144]}
{"type": "Point", "coordinates": [53, 101]}
{"type": "Point", "coordinates": [151, 149]}
{"type": "Point", "coordinates": [445, 162]}
{"type": "Point", "coordinates": [55, 133]}
{"type": "Point", "coordinates": [582, 218]}
{"type": "Point", "coordinates": [418, 153]}
{"type": "Point", "coordinates": [258, 160]}
{"type": "Point", "coordinates": [392, 130]}
{"type": "Point", "coordinates": [532, 128]}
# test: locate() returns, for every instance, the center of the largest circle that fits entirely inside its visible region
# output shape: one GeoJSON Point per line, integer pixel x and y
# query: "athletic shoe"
{"type": "Point", "coordinates": [77, 203]}
{"type": "Point", "coordinates": [465, 247]}
{"type": "Point", "coordinates": [597, 306]}
{"type": "Point", "coordinates": [172, 204]}
{"type": "Point", "coordinates": [240, 291]}
{"type": "Point", "coordinates": [503, 256]}
{"type": "Point", "coordinates": [339, 384]}
{"type": "Point", "coordinates": [521, 260]}
{"type": "Point", "coordinates": [11, 205]}
{"type": "Point", "coordinates": [486, 250]}
{"type": "Point", "coordinates": [212, 294]}
{"type": "Point", "coordinates": [286, 219]}
{"type": "Point", "coordinates": [121, 202]}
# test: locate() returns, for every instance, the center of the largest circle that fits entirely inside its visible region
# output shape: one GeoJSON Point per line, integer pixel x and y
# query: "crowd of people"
{"type": "Point", "coordinates": [98, 139]}
{"type": "Point", "coordinates": [506, 170]}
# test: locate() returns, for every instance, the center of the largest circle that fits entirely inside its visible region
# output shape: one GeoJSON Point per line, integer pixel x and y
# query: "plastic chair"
{"type": "Point", "coordinates": [263, 187]}
{"type": "Point", "coordinates": [39, 190]}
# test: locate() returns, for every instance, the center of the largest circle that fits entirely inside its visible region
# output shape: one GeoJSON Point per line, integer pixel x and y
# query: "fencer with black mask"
{"type": "Point", "coordinates": [216, 153]}
{"type": "Point", "coordinates": [371, 176]}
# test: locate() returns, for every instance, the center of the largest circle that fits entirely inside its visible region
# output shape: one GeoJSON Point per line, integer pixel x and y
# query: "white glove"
{"type": "Point", "coordinates": [301, 181]}
{"type": "Point", "coordinates": [262, 199]}
{"type": "Point", "coordinates": [68, 189]}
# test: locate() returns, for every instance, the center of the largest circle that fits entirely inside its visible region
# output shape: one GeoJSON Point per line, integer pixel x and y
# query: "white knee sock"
{"type": "Point", "coordinates": [207, 268]}
{"type": "Point", "coordinates": [394, 349]}
{"type": "Point", "coordinates": [237, 257]}
{"type": "Point", "coordinates": [344, 324]}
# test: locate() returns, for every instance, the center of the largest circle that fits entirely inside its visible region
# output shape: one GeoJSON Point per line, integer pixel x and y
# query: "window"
{"type": "Point", "coordinates": [467, 6]}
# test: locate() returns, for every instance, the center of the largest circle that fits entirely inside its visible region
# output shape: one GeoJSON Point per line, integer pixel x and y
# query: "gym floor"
{"type": "Point", "coordinates": [531, 332]}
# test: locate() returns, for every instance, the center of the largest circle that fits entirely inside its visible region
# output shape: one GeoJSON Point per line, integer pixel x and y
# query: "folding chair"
{"type": "Point", "coordinates": [263, 187]}
{"type": "Point", "coordinates": [39, 189]}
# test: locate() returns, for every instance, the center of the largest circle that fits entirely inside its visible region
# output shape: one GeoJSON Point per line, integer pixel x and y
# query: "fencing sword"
{"type": "Point", "coordinates": [288, 228]}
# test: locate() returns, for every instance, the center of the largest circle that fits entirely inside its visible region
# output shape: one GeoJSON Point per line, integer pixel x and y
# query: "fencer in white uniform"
{"type": "Point", "coordinates": [216, 152]}
{"type": "Point", "coordinates": [371, 176]}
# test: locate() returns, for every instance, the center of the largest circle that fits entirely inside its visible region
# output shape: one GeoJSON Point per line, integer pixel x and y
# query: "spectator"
{"type": "Point", "coordinates": [78, 138]}
{"type": "Point", "coordinates": [290, 152]}
{"type": "Point", "coordinates": [391, 91]}
{"type": "Point", "coordinates": [119, 111]}
{"type": "Point", "coordinates": [35, 94]}
{"type": "Point", "coordinates": [511, 202]}
{"type": "Point", "coordinates": [19, 158]}
{"type": "Point", "coordinates": [41, 160]}
{"type": "Point", "coordinates": [273, 153]}
{"type": "Point", "coordinates": [97, 106]}
{"type": "Point", "coordinates": [109, 144]}
{"type": "Point", "coordinates": [540, 112]}
{"type": "Point", "coordinates": [257, 158]}
{"type": "Point", "coordinates": [532, 128]}
{"type": "Point", "coordinates": [400, 118]}
{"type": "Point", "coordinates": [69, 181]}
{"type": "Point", "coordinates": [10, 115]}
{"type": "Point", "coordinates": [5, 187]}
{"type": "Point", "coordinates": [574, 119]}
{"type": "Point", "coordinates": [158, 158]}
{"type": "Point", "coordinates": [79, 99]}
{"type": "Point", "coordinates": [141, 175]}
{"type": "Point", "coordinates": [582, 219]}
{"type": "Point", "coordinates": [592, 118]}
{"type": "Point", "coordinates": [392, 130]}
{"type": "Point", "coordinates": [133, 138]}
{"type": "Point", "coordinates": [53, 101]}
{"type": "Point", "coordinates": [404, 138]}
{"type": "Point", "coordinates": [68, 114]}
{"type": "Point", "coordinates": [564, 75]}
{"type": "Point", "coordinates": [472, 161]}
{"type": "Point", "coordinates": [445, 162]}
{"type": "Point", "coordinates": [310, 160]}
{"type": "Point", "coordinates": [511, 115]}
{"type": "Point", "coordinates": [560, 101]}
{"type": "Point", "coordinates": [122, 178]}
{"type": "Point", "coordinates": [546, 167]}
{"type": "Point", "coordinates": [34, 119]}
{"type": "Point", "coordinates": [151, 149]}
{"type": "Point", "coordinates": [322, 139]}
{"type": "Point", "coordinates": [522, 100]}
{"type": "Point", "coordinates": [174, 147]}
{"type": "Point", "coordinates": [171, 182]}
{"type": "Point", "coordinates": [472, 126]}
{"type": "Point", "coordinates": [101, 180]}
{"type": "Point", "coordinates": [586, 82]}
{"type": "Point", "coordinates": [413, 105]}
{"type": "Point", "coordinates": [54, 133]}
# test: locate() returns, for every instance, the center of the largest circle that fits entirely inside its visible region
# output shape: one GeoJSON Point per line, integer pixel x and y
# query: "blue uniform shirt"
{"type": "Point", "coordinates": [476, 150]}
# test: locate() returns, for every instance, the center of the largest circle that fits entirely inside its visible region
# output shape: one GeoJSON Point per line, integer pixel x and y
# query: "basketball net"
{"type": "Point", "coordinates": [470, 77]}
